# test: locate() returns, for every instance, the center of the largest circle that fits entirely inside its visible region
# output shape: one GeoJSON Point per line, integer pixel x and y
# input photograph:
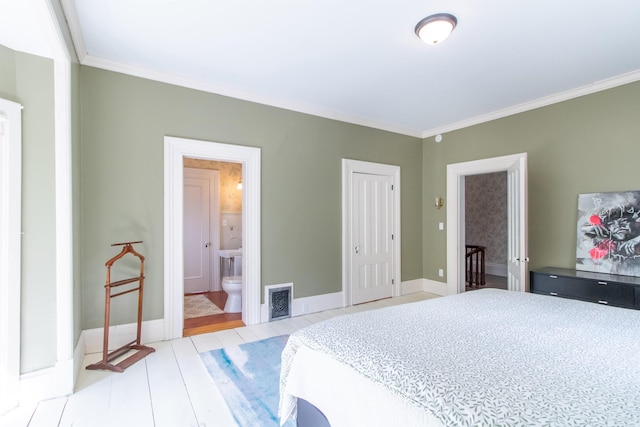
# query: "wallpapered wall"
{"type": "Point", "coordinates": [230, 174]}
{"type": "Point", "coordinates": [486, 214]}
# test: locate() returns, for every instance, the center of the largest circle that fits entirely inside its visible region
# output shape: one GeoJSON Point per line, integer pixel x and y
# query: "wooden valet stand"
{"type": "Point", "coordinates": [141, 350]}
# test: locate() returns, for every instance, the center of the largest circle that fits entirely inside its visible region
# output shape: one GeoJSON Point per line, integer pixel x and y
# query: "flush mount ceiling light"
{"type": "Point", "coordinates": [434, 29]}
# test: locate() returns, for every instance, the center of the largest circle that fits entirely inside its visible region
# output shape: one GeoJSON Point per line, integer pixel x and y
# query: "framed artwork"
{"type": "Point", "coordinates": [609, 233]}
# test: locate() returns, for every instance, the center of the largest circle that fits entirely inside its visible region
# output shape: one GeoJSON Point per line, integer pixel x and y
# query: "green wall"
{"type": "Point", "coordinates": [28, 80]}
{"type": "Point", "coordinates": [588, 144]}
{"type": "Point", "coordinates": [585, 145]}
{"type": "Point", "coordinates": [124, 120]}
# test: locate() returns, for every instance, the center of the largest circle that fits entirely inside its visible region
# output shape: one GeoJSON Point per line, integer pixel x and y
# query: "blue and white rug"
{"type": "Point", "coordinates": [248, 377]}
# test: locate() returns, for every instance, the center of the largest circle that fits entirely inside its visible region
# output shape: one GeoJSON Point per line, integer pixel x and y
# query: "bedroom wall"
{"type": "Point", "coordinates": [28, 80]}
{"type": "Point", "coordinates": [124, 120]}
{"type": "Point", "coordinates": [588, 144]}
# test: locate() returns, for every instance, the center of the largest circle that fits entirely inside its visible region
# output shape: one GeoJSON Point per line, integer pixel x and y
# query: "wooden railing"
{"type": "Point", "coordinates": [474, 265]}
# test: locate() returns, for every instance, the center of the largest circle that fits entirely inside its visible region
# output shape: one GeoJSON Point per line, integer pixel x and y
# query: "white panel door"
{"type": "Point", "coordinates": [372, 246]}
{"type": "Point", "coordinates": [199, 189]}
{"type": "Point", "coordinates": [517, 259]}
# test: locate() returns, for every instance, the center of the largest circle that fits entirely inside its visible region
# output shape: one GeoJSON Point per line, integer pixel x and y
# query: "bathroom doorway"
{"type": "Point", "coordinates": [175, 150]}
{"type": "Point", "coordinates": [212, 203]}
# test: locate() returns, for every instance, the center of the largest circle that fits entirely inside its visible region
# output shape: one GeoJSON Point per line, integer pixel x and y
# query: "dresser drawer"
{"type": "Point", "coordinates": [609, 293]}
{"type": "Point", "coordinates": [619, 292]}
{"type": "Point", "coordinates": [554, 285]}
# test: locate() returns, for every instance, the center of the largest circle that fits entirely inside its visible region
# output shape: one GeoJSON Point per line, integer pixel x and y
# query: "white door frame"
{"type": "Point", "coordinates": [350, 167]}
{"type": "Point", "coordinates": [455, 212]}
{"type": "Point", "coordinates": [175, 150]}
{"type": "Point", "coordinates": [10, 251]}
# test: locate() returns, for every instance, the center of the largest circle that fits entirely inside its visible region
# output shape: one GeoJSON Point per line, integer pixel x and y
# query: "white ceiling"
{"type": "Point", "coordinates": [360, 61]}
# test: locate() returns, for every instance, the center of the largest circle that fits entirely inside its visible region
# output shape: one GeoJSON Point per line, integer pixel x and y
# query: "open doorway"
{"type": "Point", "coordinates": [486, 230]}
{"type": "Point", "coordinates": [176, 150]}
{"type": "Point", "coordinates": [212, 199]}
{"type": "Point", "coordinates": [517, 228]}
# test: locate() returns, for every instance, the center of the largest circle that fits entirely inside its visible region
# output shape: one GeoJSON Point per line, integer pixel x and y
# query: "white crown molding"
{"type": "Point", "coordinates": [328, 114]}
{"type": "Point", "coordinates": [118, 67]}
{"type": "Point", "coordinates": [86, 59]}
{"type": "Point", "coordinates": [598, 86]}
{"type": "Point", "coordinates": [73, 22]}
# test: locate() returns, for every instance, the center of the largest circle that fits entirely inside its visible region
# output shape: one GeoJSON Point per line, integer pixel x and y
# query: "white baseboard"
{"type": "Point", "coordinates": [435, 287]}
{"type": "Point", "coordinates": [119, 335]}
{"type": "Point", "coordinates": [307, 305]}
{"type": "Point", "coordinates": [495, 269]}
{"type": "Point", "coordinates": [48, 383]}
{"type": "Point", "coordinates": [411, 286]}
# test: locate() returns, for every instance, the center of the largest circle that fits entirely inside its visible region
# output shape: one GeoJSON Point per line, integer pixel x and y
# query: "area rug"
{"type": "Point", "coordinates": [198, 306]}
{"type": "Point", "coordinates": [248, 377]}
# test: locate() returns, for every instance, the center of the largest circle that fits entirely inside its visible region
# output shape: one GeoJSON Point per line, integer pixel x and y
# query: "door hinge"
{"type": "Point", "coordinates": [391, 187]}
{"type": "Point", "coordinates": [392, 237]}
{"type": "Point", "coordinates": [393, 281]}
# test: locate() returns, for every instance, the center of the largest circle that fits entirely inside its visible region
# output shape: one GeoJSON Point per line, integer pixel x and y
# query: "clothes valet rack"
{"type": "Point", "coordinates": [111, 291]}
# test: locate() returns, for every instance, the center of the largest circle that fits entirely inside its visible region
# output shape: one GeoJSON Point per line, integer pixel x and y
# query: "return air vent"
{"type": "Point", "coordinates": [279, 298]}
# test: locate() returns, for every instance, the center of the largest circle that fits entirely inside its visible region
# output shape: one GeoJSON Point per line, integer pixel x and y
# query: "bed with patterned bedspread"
{"type": "Point", "coordinates": [482, 358]}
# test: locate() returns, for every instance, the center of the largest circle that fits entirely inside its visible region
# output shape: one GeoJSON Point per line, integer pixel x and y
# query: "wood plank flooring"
{"type": "Point", "coordinates": [170, 387]}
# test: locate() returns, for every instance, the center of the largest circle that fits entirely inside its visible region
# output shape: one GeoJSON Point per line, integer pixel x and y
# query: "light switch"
{"type": "Point", "coordinates": [224, 222]}
{"type": "Point", "coordinates": [441, 226]}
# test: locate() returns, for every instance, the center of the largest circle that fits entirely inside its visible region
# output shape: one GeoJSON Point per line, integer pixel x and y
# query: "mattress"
{"type": "Point", "coordinates": [487, 357]}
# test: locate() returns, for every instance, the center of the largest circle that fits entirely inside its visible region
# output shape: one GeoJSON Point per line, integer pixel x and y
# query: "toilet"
{"type": "Point", "coordinates": [233, 287]}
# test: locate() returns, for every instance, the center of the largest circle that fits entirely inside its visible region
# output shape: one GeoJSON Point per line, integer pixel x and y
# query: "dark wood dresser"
{"type": "Point", "coordinates": [602, 288]}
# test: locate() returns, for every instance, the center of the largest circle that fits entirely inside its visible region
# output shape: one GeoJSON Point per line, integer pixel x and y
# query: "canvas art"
{"type": "Point", "coordinates": [609, 233]}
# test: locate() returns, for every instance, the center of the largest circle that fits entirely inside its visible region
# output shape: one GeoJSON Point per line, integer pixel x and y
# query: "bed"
{"type": "Point", "coordinates": [487, 357]}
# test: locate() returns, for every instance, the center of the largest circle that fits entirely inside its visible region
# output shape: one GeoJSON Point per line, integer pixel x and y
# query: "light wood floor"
{"type": "Point", "coordinates": [170, 387]}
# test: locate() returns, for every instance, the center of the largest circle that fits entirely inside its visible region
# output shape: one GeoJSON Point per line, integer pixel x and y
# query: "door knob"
{"type": "Point", "coordinates": [357, 248]}
{"type": "Point", "coordinates": [207, 244]}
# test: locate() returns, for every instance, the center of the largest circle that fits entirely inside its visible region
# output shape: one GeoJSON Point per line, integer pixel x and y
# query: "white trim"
{"type": "Point", "coordinates": [307, 305]}
{"type": "Point", "coordinates": [411, 286]}
{"type": "Point", "coordinates": [349, 167]}
{"type": "Point", "coordinates": [435, 287]}
{"type": "Point", "coordinates": [119, 335]}
{"type": "Point", "coordinates": [10, 251]}
{"type": "Point", "coordinates": [86, 59]}
{"type": "Point", "coordinates": [175, 150]}
{"type": "Point", "coordinates": [328, 114]}
{"type": "Point", "coordinates": [588, 89]}
{"type": "Point", "coordinates": [63, 193]}
{"type": "Point", "coordinates": [235, 93]}
{"type": "Point", "coordinates": [46, 383]}
{"type": "Point", "coordinates": [455, 210]}
{"type": "Point", "coordinates": [71, 14]}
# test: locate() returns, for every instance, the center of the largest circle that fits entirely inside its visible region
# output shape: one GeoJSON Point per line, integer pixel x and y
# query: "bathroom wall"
{"type": "Point", "coordinates": [230, 230]}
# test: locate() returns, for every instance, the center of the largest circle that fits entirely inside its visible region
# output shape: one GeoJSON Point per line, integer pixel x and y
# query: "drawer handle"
{"type": "Point", "coordinates": [555, 294]}
{"type": "Point", "coordinates": [603, 302]}
{"type": "Point", "coordinates": [553, 277]}
{"type": "Point", "coordinates": [602, 283]}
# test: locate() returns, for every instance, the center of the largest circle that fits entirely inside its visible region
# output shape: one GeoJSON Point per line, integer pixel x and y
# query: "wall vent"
{"type": "Point", "coordinates": [279, 299]}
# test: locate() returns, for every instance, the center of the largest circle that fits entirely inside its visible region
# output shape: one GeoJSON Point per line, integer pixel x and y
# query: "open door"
{"type": "Point", "coordinates": [516, 167]}
{"type": "Point", "coordinates": [517, 259]}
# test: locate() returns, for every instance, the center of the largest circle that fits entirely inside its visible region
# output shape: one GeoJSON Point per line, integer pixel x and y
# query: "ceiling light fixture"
{"type": "Point", "coordinates": [434, 29]}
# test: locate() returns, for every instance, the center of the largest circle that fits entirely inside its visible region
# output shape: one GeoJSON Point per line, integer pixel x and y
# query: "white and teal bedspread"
{"type": "Point", "coordinates": [487, 357]}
